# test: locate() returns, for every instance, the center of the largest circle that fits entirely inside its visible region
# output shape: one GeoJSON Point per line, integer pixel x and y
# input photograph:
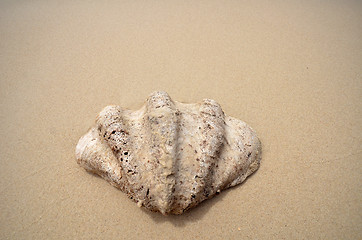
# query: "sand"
{"type": "Point", "coordinates": [291, 70]}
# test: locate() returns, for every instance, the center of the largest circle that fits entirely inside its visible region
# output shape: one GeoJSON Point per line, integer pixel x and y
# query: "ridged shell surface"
{"type": "Point", "coordinates": [169, 156]}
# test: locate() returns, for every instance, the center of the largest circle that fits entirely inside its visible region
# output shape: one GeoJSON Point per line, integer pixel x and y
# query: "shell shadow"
{"type": "Point", "coordinates": [193, 214]}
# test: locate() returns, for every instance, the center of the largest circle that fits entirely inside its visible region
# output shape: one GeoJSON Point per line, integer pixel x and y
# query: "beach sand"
{"type": "Point", "coordinates": [290, 69]}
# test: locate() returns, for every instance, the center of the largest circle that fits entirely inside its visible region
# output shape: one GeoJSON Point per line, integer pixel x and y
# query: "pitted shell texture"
{"type": "Point", "coordinates": [170, 156]}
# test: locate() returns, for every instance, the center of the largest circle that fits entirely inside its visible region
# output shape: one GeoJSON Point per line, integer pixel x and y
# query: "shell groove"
{"type": "Point", "coordinates": [170, 156]}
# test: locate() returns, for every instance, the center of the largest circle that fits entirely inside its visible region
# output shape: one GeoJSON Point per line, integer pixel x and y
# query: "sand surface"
{"type": "Point", "coordinates": [290, 69]}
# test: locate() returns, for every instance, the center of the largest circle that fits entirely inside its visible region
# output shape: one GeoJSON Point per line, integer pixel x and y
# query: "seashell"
{"type": "Point", "coordinates": [170, 156]}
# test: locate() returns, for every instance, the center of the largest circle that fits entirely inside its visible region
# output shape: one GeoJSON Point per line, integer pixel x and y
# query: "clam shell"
{"type": "Point", "coordinates": [170, 156]}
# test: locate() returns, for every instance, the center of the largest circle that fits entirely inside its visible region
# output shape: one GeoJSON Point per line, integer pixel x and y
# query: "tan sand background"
{"type": "Point", "coordinates": [291, 69]}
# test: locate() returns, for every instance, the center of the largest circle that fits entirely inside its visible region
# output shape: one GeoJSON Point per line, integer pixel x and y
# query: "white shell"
{"type": "Point", "coordinates": [169, 156]}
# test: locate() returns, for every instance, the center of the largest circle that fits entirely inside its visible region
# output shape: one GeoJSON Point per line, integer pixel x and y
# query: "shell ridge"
{"type": "Point", "coordinates": [161, 131]}
{"type": "Point", "coordinates": [97, 157]}
{"type": "Point", "coordinates": [212, 141]}
{"type": "Point", "coordinates": [114, 131]}
{"type": "Point", "coordinates": [239, 166]}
